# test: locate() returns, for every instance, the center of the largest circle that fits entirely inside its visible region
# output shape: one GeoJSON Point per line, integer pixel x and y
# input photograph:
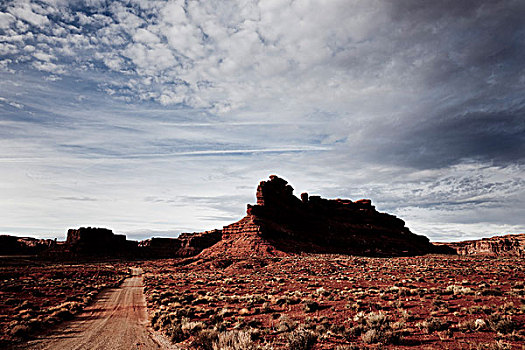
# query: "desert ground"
{"type": "Point", "coordinates": [340, 302]}
{"type": "Point", "coordinates": [296, 302]}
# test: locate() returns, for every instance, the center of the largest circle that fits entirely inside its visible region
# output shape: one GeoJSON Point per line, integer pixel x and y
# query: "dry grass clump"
{"type": "Point", "coordinates": [433, 324]}
{"type": "Point", "coordinates": [301, 339]}
{"type": "Point", "coordinates": [375, 327]}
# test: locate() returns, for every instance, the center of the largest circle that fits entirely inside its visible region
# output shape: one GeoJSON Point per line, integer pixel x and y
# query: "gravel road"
{"type": "Point", "coordinates": [117, 320]}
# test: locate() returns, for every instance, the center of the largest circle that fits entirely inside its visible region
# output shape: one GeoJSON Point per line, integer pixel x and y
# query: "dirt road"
{"type": "Point", "coordinates": [117, 320]}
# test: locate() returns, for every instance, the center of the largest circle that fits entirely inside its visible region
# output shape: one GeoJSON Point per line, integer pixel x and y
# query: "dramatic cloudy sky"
{"type": "Point", "coordinates": [156, 117]}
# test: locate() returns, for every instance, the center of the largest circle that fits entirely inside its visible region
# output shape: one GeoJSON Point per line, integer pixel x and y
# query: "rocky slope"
{"type": "Point", "coordinates": [280, 223]}
{"type": "Point", "coordinates": [508, 245]}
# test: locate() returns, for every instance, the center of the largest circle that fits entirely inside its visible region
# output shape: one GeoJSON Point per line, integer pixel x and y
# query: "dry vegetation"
{"type": "Point", "coordinates": [36, 297]}
{"type": "Point", "coordinates": [339, 302]}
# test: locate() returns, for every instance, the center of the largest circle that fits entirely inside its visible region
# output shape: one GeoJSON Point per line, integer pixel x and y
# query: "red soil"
{"type": "Point", "coordinates": [411, 302]}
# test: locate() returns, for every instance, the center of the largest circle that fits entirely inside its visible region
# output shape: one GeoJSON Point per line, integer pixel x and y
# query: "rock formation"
{"type": "Point", "coordinates": [508, 245]}
{"type": "Point", "coordinates": [99, 242]}
{"type": "Point", "coordinates": [280, 223]}
{"type": "Point", "coordinates": [12, 245]}
{"type": "Point", "coordinates": [187, 244]}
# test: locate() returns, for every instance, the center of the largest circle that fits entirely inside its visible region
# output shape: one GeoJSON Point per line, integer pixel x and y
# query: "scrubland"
{"type": "Point", "coordinates": [339, 302]}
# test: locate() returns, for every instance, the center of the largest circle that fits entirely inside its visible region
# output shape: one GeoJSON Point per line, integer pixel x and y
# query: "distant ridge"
{"type": "Point", "coordinates": [507, 245]}
{"type": "Point", "coordinates": [279, 224]}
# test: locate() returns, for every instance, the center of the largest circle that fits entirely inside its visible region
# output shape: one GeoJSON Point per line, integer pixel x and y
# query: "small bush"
{"type": "Point", "coordinates": [205, 339]}
{"type": "Point", "coordinates": [376, 328]}
{"type": "Point", "coordinates": [301, 339]}
{"type": "Point", "coordinates": [378, 335]}
{"type": "Point", "coordinates": [456, 289]}
{"type": "Point", "coordinates": [286, 324]}
{"type": "Point", "coordinates": [433, 324]}
{"type": "Point", "coordinates": [311, 306]}
{"type": "Point", "coordinates": [234, 340]}
{"type": "Point", "coordinates": [20, 331]}
{"type": "Point", "coordinates": [504, 325]}
{"type": "Point", "coordinates": [175, 332]}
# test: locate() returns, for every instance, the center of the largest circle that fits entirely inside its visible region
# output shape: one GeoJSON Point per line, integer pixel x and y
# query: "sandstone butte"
{"type": "Point", "coordinates": [279, 224]}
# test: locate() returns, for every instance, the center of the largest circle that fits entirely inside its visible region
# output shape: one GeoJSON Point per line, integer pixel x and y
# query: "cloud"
{"type": "Point", "coordinates": [30, 13]}
{"type": "Point", "coordinates": [419, 106]}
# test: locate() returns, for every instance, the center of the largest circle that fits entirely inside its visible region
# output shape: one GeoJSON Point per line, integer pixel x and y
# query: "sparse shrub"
{"type": "Point", "coordinates": [234, 340]}
{"type": "Point", "coordinates": [205, 339]}
{"type": "Point", "coordinates": [501, 324]}
{"type": "Point", "coordinates": [383, 336]}
{"type": "Point", "coordinates": [191, 327]}
{"type": "Point", "coordinates": [20, 331]}
{"type": "Point", "coordinates": [301, 339]}
{"type": "Point", "coordinates": [175, 332]}
{"type": "Point", "coordinates": [456, 289]}
{"type": "Point", "coordinates": [348, 347]}
{"type": "Point", "coordinates": [498, 345]}
{"type": "Point", "coordinates": [371, 336]}
{"type": "Point", "coordinates": [467, 326]}
{"type": "Point", "coordinates": [286, 324]}
{"type": "Point", "coordinates": [433, 324]}
{"type": "Point", "coordinates": [311, 306]}
{"type": "Point", "coordinates": [480, 324]}
{"type": "Point", "coordinates": [375, 328]}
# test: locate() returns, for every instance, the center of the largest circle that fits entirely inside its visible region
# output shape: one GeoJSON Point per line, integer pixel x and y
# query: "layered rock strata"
{"type": "Point", "coordinates": [508, 245]}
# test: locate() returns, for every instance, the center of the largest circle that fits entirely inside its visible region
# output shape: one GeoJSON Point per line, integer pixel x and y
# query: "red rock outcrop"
{"type": "Point", "coordinates": [280, 223]}
{"type": "Point", "coordinates": [508, 245]}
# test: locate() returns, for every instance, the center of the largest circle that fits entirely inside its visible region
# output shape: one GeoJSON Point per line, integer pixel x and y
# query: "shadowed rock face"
{"type": "Point", "coordinates": [281, 223]}
{"type": "Point", "coordinates": [509, 245]}
{"type": "Point", "coordinates": [98, 241]}
{"type": "Point", "coordinates": [187, 244]}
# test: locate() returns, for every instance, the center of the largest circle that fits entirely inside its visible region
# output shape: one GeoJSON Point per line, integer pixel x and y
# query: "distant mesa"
{"type": "Point", "coordinates": [99, 242]}
{"type": "Point", "coordinates": [508, 245]}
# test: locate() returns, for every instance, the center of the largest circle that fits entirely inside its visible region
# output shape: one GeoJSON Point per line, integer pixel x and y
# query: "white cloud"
{"type": "Point", "coordinates": [26, 12]}
{"type": "Point", "coordinates": [42, 56]}
{"type": "Point", "coordinates": [6, 20]}
{"type": "Point", "coordinates": [49, 67]}
{"type": "Point", "coordinates": [146, 37]}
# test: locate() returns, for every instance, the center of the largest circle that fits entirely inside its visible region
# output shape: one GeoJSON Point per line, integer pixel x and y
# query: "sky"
{"type": "Point", "coordinates": [159, 117]}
